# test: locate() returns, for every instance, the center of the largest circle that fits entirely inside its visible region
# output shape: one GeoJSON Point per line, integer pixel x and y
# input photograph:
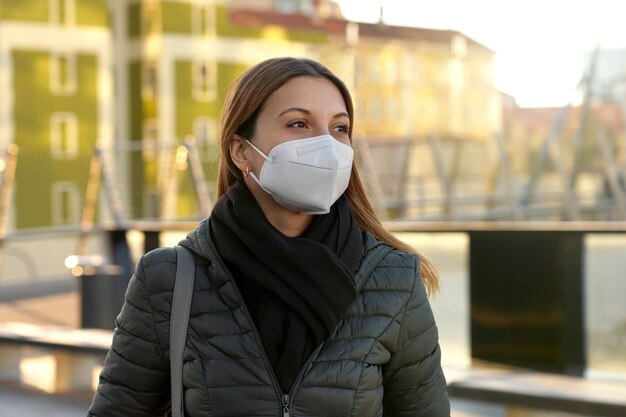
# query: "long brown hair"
{"type": "Point", "coordinates": [243, 104]}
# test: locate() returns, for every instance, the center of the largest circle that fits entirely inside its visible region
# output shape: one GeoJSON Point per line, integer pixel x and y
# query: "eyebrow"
{"type": "Point", "coordinates": [308, 112]}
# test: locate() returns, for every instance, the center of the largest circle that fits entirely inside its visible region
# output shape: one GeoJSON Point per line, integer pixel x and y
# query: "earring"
{"type": "Point", "coordinates": [247, 171]}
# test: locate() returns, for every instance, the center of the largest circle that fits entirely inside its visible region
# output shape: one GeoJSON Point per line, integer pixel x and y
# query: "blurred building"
{"type": "Point", "coordinates": [56, 99]}
{"type": "Point", "coordinates": [140, 75]}
{"type": "Point", "coordinates": [527, 129]}
{"type": "Point", "coordinates": [405, 81]}
{"type": "Point", "coordinates": [572, 149]}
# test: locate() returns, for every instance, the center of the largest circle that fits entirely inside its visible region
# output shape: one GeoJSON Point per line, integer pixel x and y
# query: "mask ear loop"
{"type": "Point", "coordinates": [258, 150]}
{"type": "Point", "coordinates": [251, 174]}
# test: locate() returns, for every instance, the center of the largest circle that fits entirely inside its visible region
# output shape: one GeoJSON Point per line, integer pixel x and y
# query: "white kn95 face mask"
{"type": "Point", "coordinates": [306, 175]}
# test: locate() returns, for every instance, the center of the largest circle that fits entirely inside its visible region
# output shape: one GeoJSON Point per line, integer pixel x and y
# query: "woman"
{"type": "Point", "coordinates": [303, 303]}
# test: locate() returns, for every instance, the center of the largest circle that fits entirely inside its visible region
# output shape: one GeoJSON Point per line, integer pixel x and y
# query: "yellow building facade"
{"type": "Point", "coordinates": [413, 82]}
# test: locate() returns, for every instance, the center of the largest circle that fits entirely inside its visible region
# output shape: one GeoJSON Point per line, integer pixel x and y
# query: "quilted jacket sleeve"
{"type": "Point", "coordinates": [413, 379]}
{"type": "Point", "coordinates": [135, 379]}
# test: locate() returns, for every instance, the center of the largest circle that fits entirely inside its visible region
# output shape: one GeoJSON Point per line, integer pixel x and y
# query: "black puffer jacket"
{"type": "Point", "coordinates": [382, 360]}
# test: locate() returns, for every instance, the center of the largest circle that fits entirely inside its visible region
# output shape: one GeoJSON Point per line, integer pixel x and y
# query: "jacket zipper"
{"type": "Point", "coordinates": [284, 399]}
{"type": "Point", "coordinates": [281, 397]}
{"type": "Point", "coordinates": [285, 405]}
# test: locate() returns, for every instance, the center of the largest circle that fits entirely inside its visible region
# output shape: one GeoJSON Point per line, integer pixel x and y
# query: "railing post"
{"type": "Point", "coordinates": [6, 186]}
{"type": "Point", "coordinates": [120, 252]}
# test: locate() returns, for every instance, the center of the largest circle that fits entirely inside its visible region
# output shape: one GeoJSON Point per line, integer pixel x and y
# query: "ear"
{"type": "Point", "coordinates": [238, 154]}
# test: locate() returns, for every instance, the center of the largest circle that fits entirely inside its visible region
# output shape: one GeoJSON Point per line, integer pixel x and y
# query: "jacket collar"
{"type": "Point", "coordinates": [199, 241]}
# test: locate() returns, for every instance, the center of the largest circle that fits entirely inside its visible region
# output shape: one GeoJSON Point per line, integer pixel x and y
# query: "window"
{"type": "Point", "coordinates": [374, 69]}
{"type": "Point", "coordinates": [391, 71]}
{"type": "Point", "coordinates": [150, 202]}
{"type": "Point", "coordinates": [418, 68]}
{"type": "Point", "coordinates": [150, 131]}
{"type": "Point", "coordinates": [204, 130]}
{"type": "Point", "coordinates": [392, 110]}
{"type": "Point", "coordinates": [352, 33]}
{"type": "Point", "coordinates": [286, 7]}
{"type": "Point", "coordinates": [63, 135]}
{"type": "Point", "coordinates": [251, 4]}
{"type": "Point", "coordinates": [149, 80]}
{"type": "Point", "coordinates": [413, 68]}
{"type": "Point", "coordinates": [443, 73]}
{"type": "Point", "coordinates": [150, 18]}
{"type": "Point", "coordinates": [150, 137]}
{"type": "Point", "coordinates": [204, 80]}
{"type": "Point", "coordinates": [358, 68]}
{"type": "Point", "coordinates": [459, 46]}
{"type": "Point", "coordinates": [360, 109]}
{"type": "Point", "coordinates": [485, 75]}
{"type": "Point", "coordinates": [63, 74]}
{"type": "Point", "coordinates": [374, 109]}
{"type": "Point", "coordinates": [65, 203]}
{"type": "Point", "coordinates": [468, 116]}
{"type": "Point", "coordinates": [202, 19]}
{"type": "Point", "coordinates": [62, 12]}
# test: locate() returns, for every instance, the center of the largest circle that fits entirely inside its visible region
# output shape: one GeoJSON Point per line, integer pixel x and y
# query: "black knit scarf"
{"type": "Point", "coordinates": [297, 289]}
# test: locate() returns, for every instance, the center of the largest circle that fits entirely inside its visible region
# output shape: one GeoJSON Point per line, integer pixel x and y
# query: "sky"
{"type": "Point", "coordinates": [538, 44]}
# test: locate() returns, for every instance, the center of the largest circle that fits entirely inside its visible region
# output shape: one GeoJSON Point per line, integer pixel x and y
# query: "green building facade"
{"type": "Point", "coordinates": [136, 77]}
{"type": "Point", "coordinates": [54, 57]}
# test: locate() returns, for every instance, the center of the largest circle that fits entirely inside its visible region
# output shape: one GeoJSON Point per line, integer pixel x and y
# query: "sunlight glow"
{"type": "Point", "coordinates": [539, 44]}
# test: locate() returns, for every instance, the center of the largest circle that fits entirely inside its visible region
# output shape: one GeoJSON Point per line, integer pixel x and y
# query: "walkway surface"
{"type": "Point", "coordinates": [28, 402]}
{"type": "Point", "coordinates": [57, 309]}
{"type": "Point", "coordinates": [31, 399]}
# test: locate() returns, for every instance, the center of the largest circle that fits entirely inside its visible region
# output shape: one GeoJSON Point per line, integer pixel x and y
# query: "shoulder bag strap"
{"type": "Point", "coordinates": [179, 320]}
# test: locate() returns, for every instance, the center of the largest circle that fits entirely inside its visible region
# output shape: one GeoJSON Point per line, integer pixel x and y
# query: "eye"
{"type": "Point", "coordinates": [300, 124]}
{"type": "Point", "coordinates": [342, 128]}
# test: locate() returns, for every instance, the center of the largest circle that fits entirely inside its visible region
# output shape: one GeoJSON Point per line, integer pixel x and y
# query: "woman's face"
{"type": "Point", "coordinates": [303, 107]}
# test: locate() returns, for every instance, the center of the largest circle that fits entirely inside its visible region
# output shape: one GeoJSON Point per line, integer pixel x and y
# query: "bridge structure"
{"type": "Point", "coordinates": [574, 171]}
{"type": "Point", "coordinates": [526, 273]}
